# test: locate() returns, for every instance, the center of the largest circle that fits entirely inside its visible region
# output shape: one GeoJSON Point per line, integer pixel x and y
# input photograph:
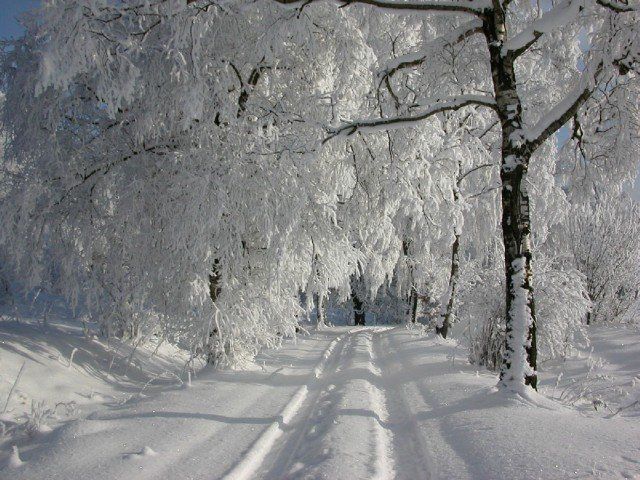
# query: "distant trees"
{"type": "Point", "coordinates": [605, 242]}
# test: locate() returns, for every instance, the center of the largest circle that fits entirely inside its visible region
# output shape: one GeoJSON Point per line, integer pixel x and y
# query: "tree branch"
{"type": "Point", "coordinates": [475, 7]}
{"type": "Point", "coordinates": [389, 123]}
{"type": "Point", "coordinates": [619, 6]}
{"type": "Point", "coordinates": [555, 18]}
{"type": "Point", "coordinates": [565, 110]}
{"type": "Point", "coordinates": [474, 169]}
{"type": "Point", "coordinates": [414, 59]}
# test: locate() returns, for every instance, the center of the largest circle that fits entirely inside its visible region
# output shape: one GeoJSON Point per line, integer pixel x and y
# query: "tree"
{"type": "Point", "coordinates": [166, 144]}
{"type": "Point", "coordinates": [169, 133]}
{"type": "Point", "coordinates": [605, 241]}
{"type": "Point", "coordinates": [612, 52]}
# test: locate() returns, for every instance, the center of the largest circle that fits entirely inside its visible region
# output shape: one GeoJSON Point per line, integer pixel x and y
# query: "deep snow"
{"type": "Point", "coordinates": [345, 402]}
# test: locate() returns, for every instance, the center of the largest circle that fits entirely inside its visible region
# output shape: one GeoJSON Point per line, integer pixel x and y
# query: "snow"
{"type": "Point", "coordinates": [561, 14]}
{"type": "Point", "coordinates": [64, 371]}
{"type": "Point", "coordinates": [516, 367]}
{"type": "Point", "coordinates": [344, 402]}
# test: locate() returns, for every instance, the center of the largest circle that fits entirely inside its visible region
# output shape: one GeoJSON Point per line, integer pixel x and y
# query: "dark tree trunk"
{"type": "Point", "coordinates": [214, 281]}
{"type": "Point", "coordinates": [214, 292]}
{"type": "Point", "coordinates": [412, 311]}
{"type": "Point", "coordinates": [320, 310]}
{"type": "Point", "coordinates": [520, 358]}
{"type": "Point", "coordinates": [447, 316]}
{"type": "Point", "coordinates": [414, 304]}
{"type": "Point", "coordinates": [358, 307]}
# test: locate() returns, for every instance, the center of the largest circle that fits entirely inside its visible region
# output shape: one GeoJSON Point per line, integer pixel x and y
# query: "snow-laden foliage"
{"type": "Point", "coordinates": [605, 241]}
{"type": "Point", "coordinates": [193, 166]}
{"type": "Point", "coordinates": [166, 146]}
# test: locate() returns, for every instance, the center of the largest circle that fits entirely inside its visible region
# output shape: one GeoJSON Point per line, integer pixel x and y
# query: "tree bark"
{"type": "Point", "coordinates": [519, 364]}
{"type": "Point", "coordinates": [358, 307]}
{"type": "Point", "coordinates": [447, 317]}
{"type": "Point", "coordinates": [320, 310]}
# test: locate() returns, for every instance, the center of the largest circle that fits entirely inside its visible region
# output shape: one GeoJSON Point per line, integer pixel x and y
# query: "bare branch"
{"type": "Point", "coordinates": [390, 123]}
{"type": "Point", "coordinates": [475, 7]}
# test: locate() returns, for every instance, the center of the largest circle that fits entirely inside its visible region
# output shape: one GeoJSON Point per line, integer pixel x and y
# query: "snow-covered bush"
{"type": "Point", "coordinates": [561, 308]}
{"type": "Point", "coordinates": [605, 241]}
{"type": "Point", "coordinates": [481, 313]}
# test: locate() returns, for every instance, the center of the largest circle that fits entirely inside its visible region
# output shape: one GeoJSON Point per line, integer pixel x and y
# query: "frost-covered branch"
{"type": "Point", "coordinates": [473, 6]}
{"type": "Point", "coordinates": [560, 15]}
{"type": "Point", "coordinates": [562, 112]}
{"type": "Point", "coordinates": [417, 58]}
{"type": "Point", "coordinates": [474, 169]}
{"type": "Point", "coordinates": [390, 123]}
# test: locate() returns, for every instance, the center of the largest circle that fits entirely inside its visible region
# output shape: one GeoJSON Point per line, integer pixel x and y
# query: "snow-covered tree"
{"type": "Point", "coordinates": [193, 166]}
{"type": "Point", "coordinates": [167, 152]}
{"type": "Point", "coordinates": [535, 67]}
{"type": "Point", "coordinates": [605, 241]}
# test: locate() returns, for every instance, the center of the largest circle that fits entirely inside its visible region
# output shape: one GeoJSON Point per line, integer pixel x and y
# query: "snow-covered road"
{"type": "Point", "coordinates": [344, 403]}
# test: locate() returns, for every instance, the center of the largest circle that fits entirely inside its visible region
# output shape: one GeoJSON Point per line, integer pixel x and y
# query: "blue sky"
{"type": "Point", "coordinates": [9, 10]}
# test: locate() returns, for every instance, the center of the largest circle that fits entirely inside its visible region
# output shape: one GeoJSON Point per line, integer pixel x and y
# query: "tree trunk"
{"type": "Point", "coordinates": [358, 307]}
{"type": "Point", "coordinates": [214, 281]}
{"type": "Point", "coordinates": [520, 350]}
{"type": "Point", "coordinates": [519, 363]}
{"type": "Point", "coordinates": [214, 293]}
{"type": "Point", "coordinates": [414, 304]}
{"type": "Point", "coordinates": [412, 311]}
{"type": "Point", "coordinates": [447, 316]}
{"type": "Point", "coordinates": [320, 311]}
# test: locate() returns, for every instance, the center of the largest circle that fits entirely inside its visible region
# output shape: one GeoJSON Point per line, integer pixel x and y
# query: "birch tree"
{"type": "Point", "coordinates": [511, 36]}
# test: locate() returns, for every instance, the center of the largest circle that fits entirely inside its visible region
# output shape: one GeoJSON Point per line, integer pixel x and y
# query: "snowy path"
{"type": "Point", "coordinates": [346, 403]}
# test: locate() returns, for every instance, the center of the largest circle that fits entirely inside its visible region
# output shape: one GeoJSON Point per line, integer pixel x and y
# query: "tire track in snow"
{"type": "Point", "coordinates": [309, 427]}
{"type": "Point", "coordinates": [449, 461]}
{"type": "Point", "coordinates": [342, 432]}
{"type": "Point", "coordinates": [261, 448]}
{"type": "Point", "coordinates": [411, 452]}
{"type": "Point", "coordinates": [384, 463]}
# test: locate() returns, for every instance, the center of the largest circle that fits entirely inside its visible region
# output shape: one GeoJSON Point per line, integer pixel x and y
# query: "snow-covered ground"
{"type": "Point", "coordinates": [342, 403]}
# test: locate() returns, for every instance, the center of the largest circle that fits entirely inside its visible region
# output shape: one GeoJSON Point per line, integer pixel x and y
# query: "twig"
{"type": "Point", "coordinates": [13, 387]}
{"type": "Point", "coordinates": [623, 408]}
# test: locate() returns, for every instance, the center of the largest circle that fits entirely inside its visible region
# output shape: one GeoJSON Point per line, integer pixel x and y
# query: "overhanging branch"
{"type": "Point", "coordinates": [390, 123]}
{"type": "Point", "coordinates": [560, 15]}
{"type": "Point", "coordinates": [475, 7]}
{"type": "Point", "coordinates": [562, 112]}
{"type": "Point", "coordinates": [414, 59]}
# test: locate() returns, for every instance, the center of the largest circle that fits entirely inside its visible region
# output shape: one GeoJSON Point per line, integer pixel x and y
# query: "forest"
{"type": "Point", "coordinates": [426, 207]}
